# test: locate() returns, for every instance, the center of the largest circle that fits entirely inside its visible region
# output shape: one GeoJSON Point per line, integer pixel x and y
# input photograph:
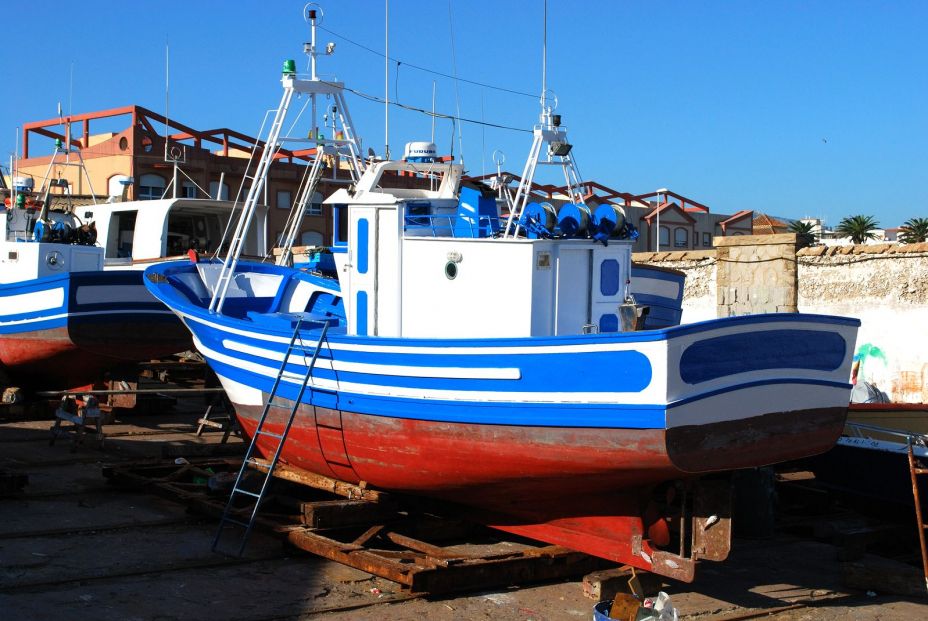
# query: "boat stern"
{"type": "Point", "coordinates": [757, 390]}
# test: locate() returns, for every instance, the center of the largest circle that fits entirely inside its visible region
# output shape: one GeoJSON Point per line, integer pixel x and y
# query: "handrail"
{"type": "Point", "coordinates": [475, 224]}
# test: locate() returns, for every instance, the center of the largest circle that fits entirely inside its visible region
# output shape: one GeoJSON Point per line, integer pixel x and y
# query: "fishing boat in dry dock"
{"type": "Point", "coordinates": [493, 363]}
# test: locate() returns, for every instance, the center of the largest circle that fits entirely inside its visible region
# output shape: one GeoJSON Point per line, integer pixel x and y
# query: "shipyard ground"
{"type": "Point", "coordinates": [74, 547]}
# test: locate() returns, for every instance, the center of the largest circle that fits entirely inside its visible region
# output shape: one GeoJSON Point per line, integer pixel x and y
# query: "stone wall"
{"type": "Point", "coordinates": [885, 286]}
{"type": "Point", "coordinates": [756, 274]}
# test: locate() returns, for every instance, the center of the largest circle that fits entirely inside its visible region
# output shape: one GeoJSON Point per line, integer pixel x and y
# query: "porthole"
{"type": "Point", "coordinates": [54, 260]}
{"type": "Point", "coordinates": [123, 143]}
{"type": "Point", "coordinates": [451, 270]}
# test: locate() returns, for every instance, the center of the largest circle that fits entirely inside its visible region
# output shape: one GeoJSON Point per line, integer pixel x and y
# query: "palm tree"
{"type": "Point", "coordinates": [914, 231]}
{"type": "Point", "coordinates": [858, 228]}
{"type": "Point", "coordinates": [805, 232]}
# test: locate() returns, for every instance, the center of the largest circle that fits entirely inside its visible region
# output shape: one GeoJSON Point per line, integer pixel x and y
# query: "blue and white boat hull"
{"type": "Point", "coordinates": [65, 330]}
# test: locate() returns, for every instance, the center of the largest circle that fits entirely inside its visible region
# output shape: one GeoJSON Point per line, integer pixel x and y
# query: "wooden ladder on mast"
{"type": "Point", "coordinates": [230, 514]}
{"type": "Point", "coordinates": [916, 470]}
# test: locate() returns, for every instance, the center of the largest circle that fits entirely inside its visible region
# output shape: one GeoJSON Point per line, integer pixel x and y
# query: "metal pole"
{"type": "Point", "coordinates": [657, 245]}
{"type": "Point", "coordinates": [544, 57]}
{"type": "Point", "coordinates": [386, 80]}
{"type": "Point", "coordinates": [222, 177]}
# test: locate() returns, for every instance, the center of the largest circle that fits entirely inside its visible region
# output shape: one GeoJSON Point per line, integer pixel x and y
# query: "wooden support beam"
{"type": "Point", "coordinates": [338, 513]}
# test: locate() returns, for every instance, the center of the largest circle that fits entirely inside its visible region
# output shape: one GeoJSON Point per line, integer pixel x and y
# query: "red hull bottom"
{"type": "Point", "coordinates": [590, 490]}
{"type": "Point", "coordinates": [67, 357]}
{"type": "Point", "coordinates": [584, 489]}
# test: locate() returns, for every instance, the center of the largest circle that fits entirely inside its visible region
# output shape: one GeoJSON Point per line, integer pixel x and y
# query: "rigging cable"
{"type": "Point", "coordinates": [426, 69]}
{"type": "Point", "coordinates": [438, 115]}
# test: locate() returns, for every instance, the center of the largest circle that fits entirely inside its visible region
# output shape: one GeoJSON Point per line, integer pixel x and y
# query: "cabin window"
{"type": "Point", "coordinates": [283, 199]}
{"type": "Point", "coordinates": [681, 238]}
{"type": "Point", "coordinates": [214, 191]}
{"type": "Point", "coordinates": [121, 235]}
{"type": "Point", "coordinates": [151, 187]}
{"type": "Point", "coordinates": [706, 239]}
{"type": "Point", "coordinates": [340, 225]}
{"type": "Point", "coordinates": [192, 230]}
{"type": "Point", "coordinates": [665, 236]}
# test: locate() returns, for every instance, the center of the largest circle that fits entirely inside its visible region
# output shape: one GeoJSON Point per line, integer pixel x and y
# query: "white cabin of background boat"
{"type": "Point", "coordinates": [142, 231]}
{"type": "Point", "coordinates": [394, 282]}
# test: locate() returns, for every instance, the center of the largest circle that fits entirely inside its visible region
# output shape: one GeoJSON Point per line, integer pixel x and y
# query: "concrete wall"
{"type": "Point", "coordinates": [885, 286]}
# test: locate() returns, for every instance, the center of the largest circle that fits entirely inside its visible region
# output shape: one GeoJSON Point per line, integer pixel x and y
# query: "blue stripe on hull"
{"type": "Point", "coordinates": [736, 353]}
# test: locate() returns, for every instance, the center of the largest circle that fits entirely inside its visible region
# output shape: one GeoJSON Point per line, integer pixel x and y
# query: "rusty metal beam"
{"type": "Point", "coordinates": [87, 116]}
{"type": "Point", "coordinates": [311, 479]}
{"type": "Point", "coordinates": [481, 574]}
{"type": "Point", "coordinates": [358, 558]}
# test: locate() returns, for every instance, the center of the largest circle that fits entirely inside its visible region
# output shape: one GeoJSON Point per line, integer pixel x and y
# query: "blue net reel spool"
{"type": "Point", "coordinates": [574, 219]}
{"type": "Point", "coordinates": [538, 219]}
{"type": "Point", "coordinates": [608, 221]}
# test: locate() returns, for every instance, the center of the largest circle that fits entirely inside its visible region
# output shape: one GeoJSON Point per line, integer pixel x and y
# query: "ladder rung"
{"type": "Point", "coordinates": [278, 405]}
{"type": "Point", "coordinates": [239, 490]}
{"type": "Point", "coordinates": [920, 471]}
{"type": "Point", "coordinates": [269, 433]}
{"type": "Point", "coordinates": [234, 521]}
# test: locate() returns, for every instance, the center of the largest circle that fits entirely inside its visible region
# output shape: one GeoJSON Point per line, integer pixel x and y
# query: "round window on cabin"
{"type": "Point", "coordinates": [123, 143]}
{"type": "Point", "coordinates": [451, 270]}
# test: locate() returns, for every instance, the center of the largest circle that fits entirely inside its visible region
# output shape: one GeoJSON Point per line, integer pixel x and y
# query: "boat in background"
{"type": "Point", "coordinates": [460, 358]}
{"type": "Point", "coordinates": [872, 461]}
{"type": "Point", "coordinates": [660, 289]}
{"type": "Point", "coordinates": [905, 417]}
{"type": "Point", "coordinates": [72, 302]}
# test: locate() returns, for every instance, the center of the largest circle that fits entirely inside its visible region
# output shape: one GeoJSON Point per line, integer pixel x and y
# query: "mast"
{"type": "Point", "coordinates": [547, 132]}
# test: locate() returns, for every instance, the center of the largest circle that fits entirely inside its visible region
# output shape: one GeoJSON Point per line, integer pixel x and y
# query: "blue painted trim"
{"type": "Point", "coordinates": [731, 354]}
{"type": "Point", "coordinates": [361, 308]}
{"type": "Point", "coordinates": [609, 277]}
{"type": "Point", "coordinates": [609, 323]}
{"type": "Point", "coordinates": [771, 382]}
{"type": "Point", "coordinates": [69, 311]}
{"type": "Point", "coordinates": [363, 242]}
{"type": "Point", "coordinates": [470, 412]}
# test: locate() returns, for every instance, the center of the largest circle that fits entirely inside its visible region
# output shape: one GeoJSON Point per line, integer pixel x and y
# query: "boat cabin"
{"type": "Point", "coordinates": [148, 230]}
{"type": "Point", "coordinates": [432, 263]}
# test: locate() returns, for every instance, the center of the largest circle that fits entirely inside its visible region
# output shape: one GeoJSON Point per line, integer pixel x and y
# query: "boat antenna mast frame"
{"type": "Point", "coordinates": [547, 132]}
{"type": "Point", "coordinates": [346, 146]}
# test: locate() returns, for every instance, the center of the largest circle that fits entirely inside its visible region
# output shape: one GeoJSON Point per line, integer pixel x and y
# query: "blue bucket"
{"type": "Point", "coordinates": [601, 611]}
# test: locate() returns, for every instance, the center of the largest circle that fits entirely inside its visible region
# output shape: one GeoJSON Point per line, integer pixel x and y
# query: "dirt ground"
{"type": "Point", "coordinates": [73, 547]}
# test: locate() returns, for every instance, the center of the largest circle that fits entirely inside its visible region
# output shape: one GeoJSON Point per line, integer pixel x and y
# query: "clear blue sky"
{"type": "Point", "coordinates": [791, 108]}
